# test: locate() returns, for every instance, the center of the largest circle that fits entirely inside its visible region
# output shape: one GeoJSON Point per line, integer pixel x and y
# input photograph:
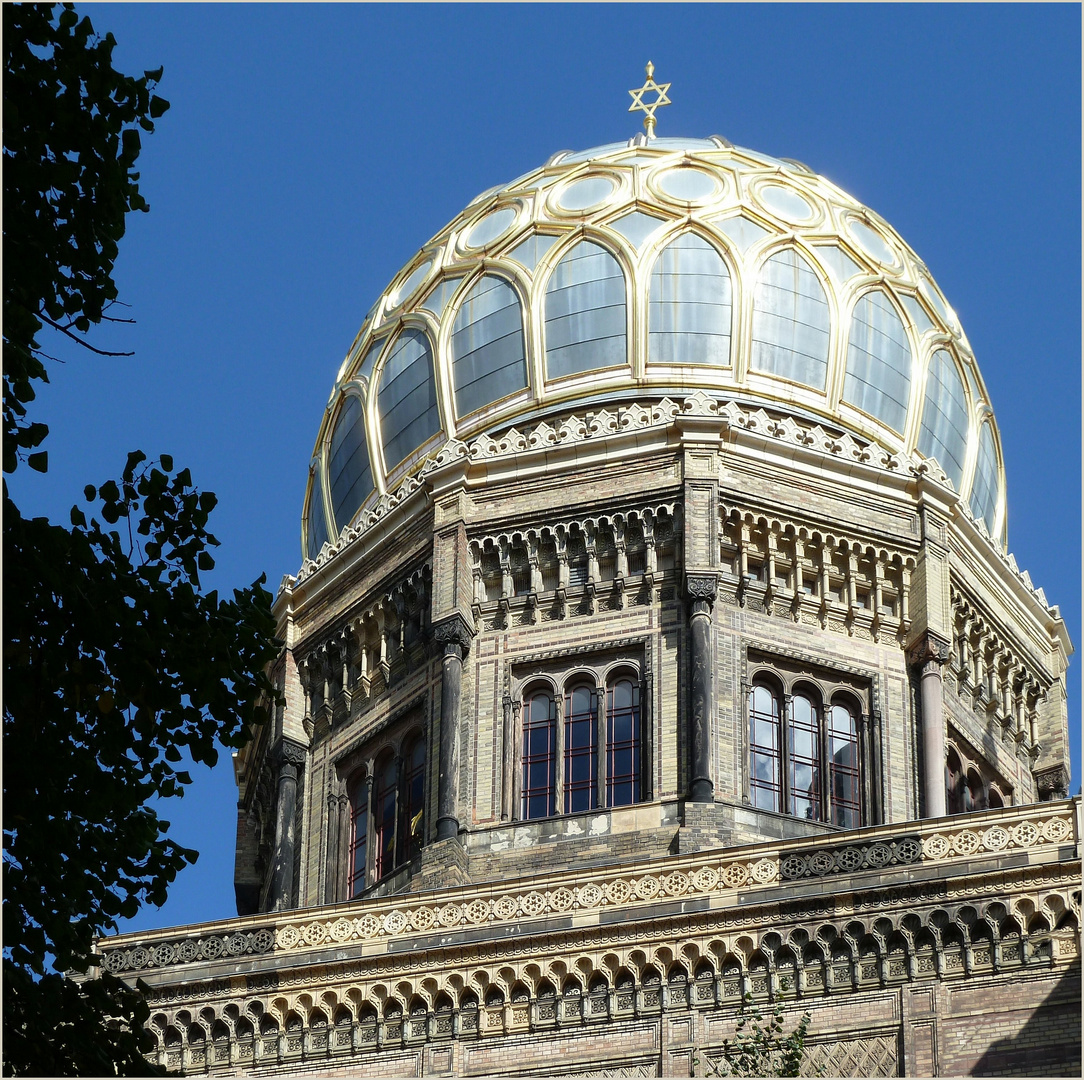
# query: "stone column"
{"type": "Point", "coordinates": [455, 636]}
{"type": "Point", "coordinates": [289, 757]}
{"type": "Point", "coordinates": [929, 655]}
{"type": "Point", "coordinates": [700, 589]}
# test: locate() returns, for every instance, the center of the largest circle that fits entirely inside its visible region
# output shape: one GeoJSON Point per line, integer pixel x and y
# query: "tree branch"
{"type": "Point", "coordinates": [79, 340]}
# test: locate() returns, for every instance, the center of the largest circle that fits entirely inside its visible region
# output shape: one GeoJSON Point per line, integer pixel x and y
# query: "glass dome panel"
{"type": "Point", "coordinates": [636, 227]}
{"type": "Point", "coordinates": [317, 527]}
{"type": "Point", "coordinates": [688, 185]}
{"type": "Point", "coordinates": [944, 417]}
{"type": "Point", "coordinates": [917, 312]}
{"type": "Point", "coordinates": [742, 230]}
{"type": "Point", "coordinates": [872, 243]}
{"type": "Point", "coordinates": [407, 400]}
{"type": "Point", "coordinates": [406, 290]}
{"type": "Point", "coordinates": [349, 470]}
{"type": "Point", "coordinates": [366, 368]}
{"type": "Point", "coordinates": [984, 487]}
{"type": "Point", "coordinates": [583, 194]}
{"type": "Point", "coordinates": [878, 361]}
{"type": "Point", "coordinates": [532, 249]}
{"type": "Point", "coordinates": [690, 309]}
{"type": "Point", "coordinates": [784, 203]}
{"type": "Point", "coordinates": [594, 152]}
{"type": "Point", "coordinates": [488, 359]}
{"type": "Point", "coordinates": [841, 266]}
{"type": "Point", "coordinates": [491, 226]}
{"type": "Point", "coordinates": [791, 321]}
{"type": "Point", "coordinates": [585, 312]}
{"type": "Point", "coordinates": [438, 298]}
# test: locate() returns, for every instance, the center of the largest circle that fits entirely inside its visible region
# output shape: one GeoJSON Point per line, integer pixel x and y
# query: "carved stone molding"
{"type": "Point", "coordinates": [930, 648]}
{"type": "Point", "coordinates": [455, 631]}
{"type": "Point", "coordinates": [288, 752]}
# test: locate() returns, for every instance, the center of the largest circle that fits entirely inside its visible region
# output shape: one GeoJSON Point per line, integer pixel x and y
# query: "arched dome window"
{"type": "Point", "coordinates": [407, 399]}
{"type": "Point", "coordinates": [944, 417]}
{"type": "Point", "coordinates": [315, 524]}
{"type": "Point", "coordinates": [984, 486]}
{"type": "Point", "coordinates": [878, 361]}
{"type": "Point", "coordinates": [690, 309]}
{"type": "Point", "coordinates": [790, 321]}
{"type": "Point", "coordinates": [488, 359]}
{"type": "Point", "coordinates": [348, 463]}
{"type": "Point", "coordinates": [585, 312]}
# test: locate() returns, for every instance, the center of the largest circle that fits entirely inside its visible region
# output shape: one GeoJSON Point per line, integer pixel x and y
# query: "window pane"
{"type": "Point", "coordinates": [585, 312]}
{"type": "Point", "coordinates": [407, 401]}
{"type": "Point", "coordinates": [843, 768]}
{"type": "Point", "coordinates": [765, 781]}
{"type": "Point", "coordinates": [412, 817]}
{"type": "Point", "coordinates": [488, 361]}
{"type": "Point", "coordinates": [348, 462]}
{"type": "Point", "coordinates": [944, 417]}
{"type": "Point", "coordinates": [581, 750]}
{"type": "Point", "coordinates": [689, 318]}
{"type": "Point", "coordinates": [984, 486]}
{"type": "Point", "coordinates": [878, 361]}
{"type": "Point", "coordinates": [804, 731]}
{"type": "Point", "coordinates": [623, 743]}
{"type": "Point", "coordinates": [384, 792]}
{"type": "Point", "coordinates": [317, 528]}
{"type": "Point", "coordinates": [359, 822]}
{"type": "Point", "coordinates": [539, 757]}
{"type": "Point", "coordinates": [790, 321]}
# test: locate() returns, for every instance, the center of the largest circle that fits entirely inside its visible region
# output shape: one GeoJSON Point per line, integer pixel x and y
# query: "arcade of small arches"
{"type": "Point", "coordinates": [969, 783]}
{"type": "Point", "coordinates": [849, 955]}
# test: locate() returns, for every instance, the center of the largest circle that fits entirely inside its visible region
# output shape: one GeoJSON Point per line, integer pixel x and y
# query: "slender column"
{"type": "Point", "coordinates": [700, 589]}
{"type": "Point", "coordinates": [455, 635]}
{"type": "Point", "coordinates": [929, 655]}
{"type": "Point", "coordinates": [290, 756]}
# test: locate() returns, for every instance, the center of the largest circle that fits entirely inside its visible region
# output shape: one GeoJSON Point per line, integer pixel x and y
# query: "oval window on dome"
{"type": "Point", "coordinates": [872, 243]}
{"type": "Point", "coordinates": [406, 290]}
{"type": "Point", "coordinates": [491, 226]}
{"type": "Point", "coordinates": [784, 203]}
{"type": "Point", "coordinates": [690, 308]}
{"type": "Point", "coordinates": [791, 321]}
{"type": "Point", "coordinates": [315, 524]}
{"type": "Point", "coordinates": [407, 400]}
{"type": "Point", "coordinates": [349, 471]}
{"type": "Point", "coordinates": [688, 185]}
{"type": "Point", "coordinates": [878, 361]}
{"type": "Point", "coordinates": [585, 312]}
{"type": "Point", "coordinates": [583, 194]}
{"type": "Point", "coordinates": [983, 500]}
{"type": "Point", "coordinates": [488, 359]}
{"type": "Point", "coordinates": [944, 417]}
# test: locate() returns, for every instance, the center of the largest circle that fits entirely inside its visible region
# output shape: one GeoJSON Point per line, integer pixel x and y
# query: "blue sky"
{"type": "Point", "coordinates": [310, 150]}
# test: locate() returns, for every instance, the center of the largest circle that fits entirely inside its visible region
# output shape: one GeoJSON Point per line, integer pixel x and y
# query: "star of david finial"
{"type": "Point", "coordinates": [648, 107]}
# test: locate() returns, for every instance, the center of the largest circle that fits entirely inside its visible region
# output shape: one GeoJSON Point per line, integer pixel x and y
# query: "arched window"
{"type": "Point", "coordinates": [791, 321]}
{"type": "Point", "coordinates": [843, 790]}
{"type": "Point", "coordinates": [539, 757]}
{"type": "Point", "coordinates": [348, 463]}
{"type": "Point", "coordinates": [984, 487]}
{"type": "Point", "coordinates": [359, 835]}
{"type": "Point", "coordinates": [622, 743]}
{"type": "Point", "coordinates": [581, 749]}
{"type": "Point", "coordinates": [585, 312]}
{"type": "Point", "coordinates": [765, 749]}
{"type": "Point", "coordinates": [944, 417]}
{"type": "Point", "coordinates": [316, 525]}
{"type": "Point", "coordinates": [407, 399]}
{"type": "Point", "coordinates": [412, 817]}
{"type": "Point", "coordinates": [385, 796]}
{"type": "Point", "coordinates": [689, 316]}
{"type": "Point", "coordinates": [488, 359]}
{"type": "Point", "coordinates": [954, 782]}
{"type": "Point", "coordinates": [804, 775]}
{"type": "Point", "coordinates": [878, 361]}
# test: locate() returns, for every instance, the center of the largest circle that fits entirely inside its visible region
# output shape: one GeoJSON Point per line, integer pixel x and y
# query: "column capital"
{"type": "Point", "coordinates": [456, 632]}
{"type": "Point", "coordinates": [701, 590]}
{"type": "Point", "coordinates": [929, 649]}
{"type": "Point", "coordinates": [288, 752]}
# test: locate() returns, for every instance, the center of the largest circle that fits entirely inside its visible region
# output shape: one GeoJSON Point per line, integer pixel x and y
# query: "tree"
{"type": "Point", "coordinates": [116, 661]}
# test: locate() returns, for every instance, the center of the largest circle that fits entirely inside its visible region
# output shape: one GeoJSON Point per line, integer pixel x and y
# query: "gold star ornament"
{"type": "Point", "coordinates": [648, 107]}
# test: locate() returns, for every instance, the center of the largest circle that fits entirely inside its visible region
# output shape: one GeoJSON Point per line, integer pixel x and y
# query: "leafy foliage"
{"type": "Point", "coordinates": [116, 662]}
{"type": "Point", "coordinates": [71, 138]}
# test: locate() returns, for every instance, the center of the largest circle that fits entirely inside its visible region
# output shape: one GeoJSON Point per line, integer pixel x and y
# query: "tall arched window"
{"type": "Point", "coordinates": [944, 417]}
{"type": "Point", "coordinates": [539, 756]}
{"type": "Point", "coordinates": [689, 315]}
{"type": "Point", "coordinates": [316, 527]}
{"type": "Point", "coordinates": [791, 321]}
{"type": "Point", "coordinates": [623, 743]}
{"type": "Point", "coordinates": [348, 463]}
{"type": "Point", "coordinates": [488, 358]}
{"type": "Point", "coordinates": [407, 399]}
{"type": "Point", "coordinates": [804, 774]}
{"type": "Point", "coordinates": [954, 782]}
{"type": "Point", "coordinates": [412, 816]}
{"type": "Point", "coordinates": [359, 833]}
{"type": "Point", "coordinates": [878, 361]}
{"type": "Point", "coordinates": [385, 796]}
{"type": "Point", "coordinates": [581, 750]}
{"type": "Point", "coordinates": [765, 749]}
{"type": "Point", "coordinates": [585, 312]}
{"type": "Point", "coordinates": [843, 787]}
{"type": "Point", "coordinates": [984, 487]}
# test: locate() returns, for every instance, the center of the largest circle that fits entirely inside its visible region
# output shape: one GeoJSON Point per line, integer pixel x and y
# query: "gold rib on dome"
{"type": "Point", "coordinates": [553, 290]}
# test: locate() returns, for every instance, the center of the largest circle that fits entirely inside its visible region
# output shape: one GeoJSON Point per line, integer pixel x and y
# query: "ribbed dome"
{"type": "Point", "coordinates": [650, 268]}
